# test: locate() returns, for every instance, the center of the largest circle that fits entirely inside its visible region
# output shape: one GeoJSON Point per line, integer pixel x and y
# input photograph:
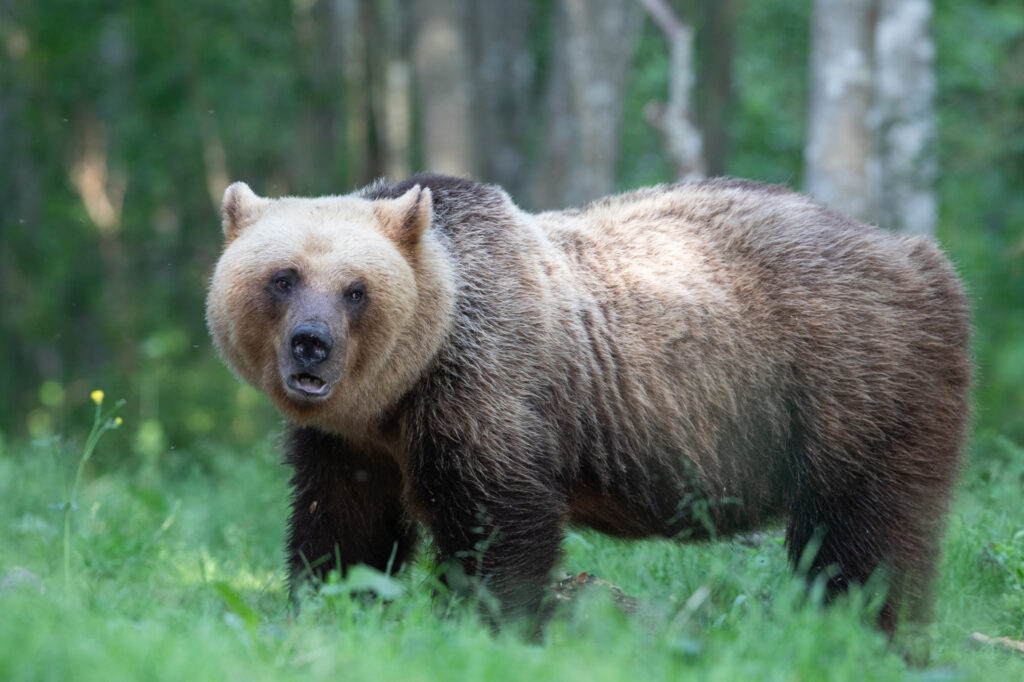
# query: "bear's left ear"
{"type": "Point", "coordinates": [406, 218]}
{"type": "Point", "coordinates": [239, 209]}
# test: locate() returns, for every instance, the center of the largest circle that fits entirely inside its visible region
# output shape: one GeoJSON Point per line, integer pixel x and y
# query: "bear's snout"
{"type": "Point", "coordinates": [311, 344]}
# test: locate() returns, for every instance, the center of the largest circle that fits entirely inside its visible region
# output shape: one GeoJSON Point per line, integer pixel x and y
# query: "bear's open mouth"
{"type": "Point", "coordinates": [309, 384]}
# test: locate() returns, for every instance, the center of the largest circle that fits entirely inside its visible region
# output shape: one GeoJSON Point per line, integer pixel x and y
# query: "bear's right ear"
{"type": "Point", "coordinates": [406, 218]}
{"type": "Point", "coordinates": [239, 209]}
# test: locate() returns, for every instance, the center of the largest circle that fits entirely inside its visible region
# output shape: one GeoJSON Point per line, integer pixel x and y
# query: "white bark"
{"type": "Point", "coordinates": [349, 46]}
{"type": "Point", "coordinates": [871, 128]}
{"type": "Point", "coordinates": [330, 124]}
{"type": "Point", "coordinates": [904, 96]}
{"type": "Point", "coordinates": [594, 48]}
{"type": "Point", "coordinates": [100, 186]}
{"type": "Point", "coordinates": [101, 191]}
{"type": "Point", "coordinates": [837, 155]}
{"type": "Point", "coordinates": [601, 39]}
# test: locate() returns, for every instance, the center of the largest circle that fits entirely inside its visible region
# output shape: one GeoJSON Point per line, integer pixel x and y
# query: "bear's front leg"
{"type": "Point", "coordinates": [503, 526]}
{"type": "Point", "coordinates": [346, 508]}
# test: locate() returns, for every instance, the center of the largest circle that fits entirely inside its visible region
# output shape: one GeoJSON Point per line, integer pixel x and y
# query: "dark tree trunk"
{"type": "Point", "coordinates": [503, 84]}
{"type": "Point", "coordinates": [715, 82]}
{"type": "Point", "coordinates": [444, 83]}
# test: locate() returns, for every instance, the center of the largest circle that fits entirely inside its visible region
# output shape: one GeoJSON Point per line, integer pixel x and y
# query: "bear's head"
{"type": "Point", "coordinates": [331, 306]}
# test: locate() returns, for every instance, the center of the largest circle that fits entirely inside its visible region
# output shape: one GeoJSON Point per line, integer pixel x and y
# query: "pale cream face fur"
{"type": "Point", "coordinates": [330, 243]}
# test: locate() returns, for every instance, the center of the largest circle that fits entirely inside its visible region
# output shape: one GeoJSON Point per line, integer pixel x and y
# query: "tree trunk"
{"type": "Point", "coordinates": [871, 128]}
{"type": "Point", "coordinates": [443, 74]}
{"type": "Point", "coordinates": [21, 208]}
{"type": "Point", "coordinates": [556, 161]}
{"type": "Point", "coordinates": [348, 49]}
{"type": "Point", "coordinates": [322, 39]}
{"type": "Point", "coordinates": [904, 96]}
{"type": "Point", "coordinates": [715, 82]}
{"type": "Point", "coordinates": [503, 83]}
{"type": "Point", "coordinates": [393, 96]}
{"type": "Point", "coordinates": [838, 151]}
{"type": "Point", "coordinates": [586, 87]}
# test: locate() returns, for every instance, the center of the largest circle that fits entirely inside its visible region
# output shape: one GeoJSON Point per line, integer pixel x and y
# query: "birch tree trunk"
{"type": "Point", "coordinates": [904, 109]}
{"type": "Point", "coordinates": [838, 151]}
{"type": "Point", "coordinates": [594, 47]}
{"type": "Point", "coordinates": [871, 129]}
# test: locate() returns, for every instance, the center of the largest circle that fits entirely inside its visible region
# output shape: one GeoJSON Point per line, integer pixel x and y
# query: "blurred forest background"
{"type": "Point", "coordinates": [122, 123]}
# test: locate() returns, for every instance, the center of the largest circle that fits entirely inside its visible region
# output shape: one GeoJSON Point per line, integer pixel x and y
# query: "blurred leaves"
{"type": "Point", "coordinates": [161, 102]}
{"type": "Point", "coordinates": [981, 106]}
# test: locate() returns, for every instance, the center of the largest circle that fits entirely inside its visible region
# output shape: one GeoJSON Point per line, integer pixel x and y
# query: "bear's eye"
{"type": "Point", "coordinates": [283, 281]}
{"type": "Point", "coordinates": [356, 294]}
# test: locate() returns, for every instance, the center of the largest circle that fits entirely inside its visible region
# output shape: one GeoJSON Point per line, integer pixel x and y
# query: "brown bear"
{"type": "Point", "coordinates": [687, 361]}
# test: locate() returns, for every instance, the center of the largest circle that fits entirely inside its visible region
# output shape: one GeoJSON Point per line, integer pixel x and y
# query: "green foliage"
{"type": "Point", "coordinates": [981, 105]}
{"type": "Point", "coordinates": [767, 125]}
{"type": "Point", "coordinates": [176, 552]}
{"type": "Point", "coordinates": [170, 97]}
{"type": "Point", "coordinates": [101, 423]}
{"type": "Point", "coordinates": [156, 88]}
{"type": "Point", "coordinates": [178, 576]}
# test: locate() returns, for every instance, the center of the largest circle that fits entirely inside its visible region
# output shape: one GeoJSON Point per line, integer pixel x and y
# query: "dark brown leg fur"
{"type": "Point", "coordinates": [346, 508]}
{"type": "Point", "coordinates": [875, 517]}
{"type": "Point", "coordinates": [505, 535]}
{"type": "Point", "coordinates": [846, 536]}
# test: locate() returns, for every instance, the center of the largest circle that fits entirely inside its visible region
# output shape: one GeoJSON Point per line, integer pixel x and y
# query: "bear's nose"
{"type": "Point", "coordinates": [311, 344]}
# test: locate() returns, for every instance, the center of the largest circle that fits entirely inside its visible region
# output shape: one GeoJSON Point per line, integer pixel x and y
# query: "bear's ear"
{"type": "Point", "coordinates": [405, 219]}
{"type": "Point", "coordinates": [240, 208]}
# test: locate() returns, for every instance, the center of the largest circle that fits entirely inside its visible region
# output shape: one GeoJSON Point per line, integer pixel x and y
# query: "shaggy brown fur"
{"type": "Point", "coordinates": [688, 361]}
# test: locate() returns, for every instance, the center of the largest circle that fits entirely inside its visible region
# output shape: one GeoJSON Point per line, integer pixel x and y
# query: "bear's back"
{"type": "Point", "coordinates": [758, 252]}
{"type": "Point", "coordinates": [732, 304]}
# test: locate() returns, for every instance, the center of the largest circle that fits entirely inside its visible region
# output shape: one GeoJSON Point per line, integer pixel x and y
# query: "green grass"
{"type": "Point", "coordinates": [176, 574]}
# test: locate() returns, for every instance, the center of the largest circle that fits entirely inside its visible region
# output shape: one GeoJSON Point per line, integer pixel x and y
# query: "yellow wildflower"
{"type": "Point", "coordinates": [119, 421]}
{"type": "Point", "coordinates": [97, 397]}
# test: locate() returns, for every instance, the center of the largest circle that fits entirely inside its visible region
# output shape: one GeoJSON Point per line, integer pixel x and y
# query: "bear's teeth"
{"type": "Point", "coordinates": [309, 382]}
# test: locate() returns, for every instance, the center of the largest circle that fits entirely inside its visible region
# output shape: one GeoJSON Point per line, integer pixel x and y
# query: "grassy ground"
{"type": "Point", "coordinates": [176, 574]}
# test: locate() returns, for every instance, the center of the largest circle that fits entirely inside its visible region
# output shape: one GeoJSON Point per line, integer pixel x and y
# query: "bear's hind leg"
{"type": "Point", "coordinates": [346, 508]}
{"type": "Point", "coordinates": [850, 526]}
